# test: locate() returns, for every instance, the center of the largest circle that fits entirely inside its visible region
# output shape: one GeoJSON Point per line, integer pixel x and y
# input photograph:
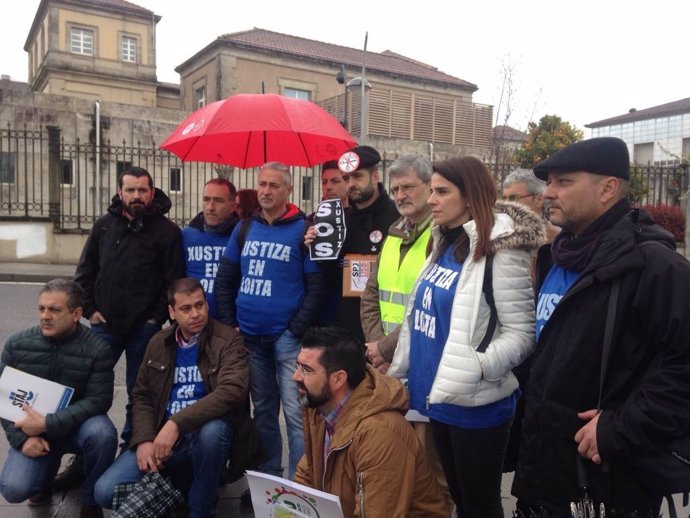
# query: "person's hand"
{"type": "Point", "coordinates": [586, 437]}
{"type": "Point", "coordinates": [309, 236]}
{"type": "Point", "coordinates": [373, 354]}
{"type": "Point", "coordinates": [97, 318]}
{"type": "Point", "coordinates": [146, 461]}
{"type": "Point", "coordinates": [35, 447]}
{"type": "Point", "coordinates": [33, 424]}
{"type": "Point", "coordinates": [165, 440]}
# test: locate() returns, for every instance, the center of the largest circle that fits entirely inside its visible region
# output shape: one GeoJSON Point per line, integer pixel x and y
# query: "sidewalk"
{"type": "Point", "coordinates": [35, 272]}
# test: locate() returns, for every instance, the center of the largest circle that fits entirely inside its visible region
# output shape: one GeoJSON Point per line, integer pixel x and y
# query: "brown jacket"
{"type": "Point", "coordinates": [370, 311]}
{"type": "Point", "coordinates": [222, 362]}
{"type": "Point", "coordinates": [376, 464]}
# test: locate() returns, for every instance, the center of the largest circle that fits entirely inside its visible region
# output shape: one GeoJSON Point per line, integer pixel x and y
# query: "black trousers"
{"type": "Point", "coordinates": [472, 459]}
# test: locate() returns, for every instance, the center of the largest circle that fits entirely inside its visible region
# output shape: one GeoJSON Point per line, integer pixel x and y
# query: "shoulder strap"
{"type": "Point", "coordinates": [488, 289]}
{"type": "Point", "coordinates": [608, 334]}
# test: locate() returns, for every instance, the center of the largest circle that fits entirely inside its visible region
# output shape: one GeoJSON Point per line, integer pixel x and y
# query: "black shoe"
{"type": "Point", "coordinates": [42, 498]}
{"type": "Point", "coordinates": [71, 476]}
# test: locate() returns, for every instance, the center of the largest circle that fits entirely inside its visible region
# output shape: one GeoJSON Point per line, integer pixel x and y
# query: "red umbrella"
{"type": "Point", "coordinates": [248, 130]}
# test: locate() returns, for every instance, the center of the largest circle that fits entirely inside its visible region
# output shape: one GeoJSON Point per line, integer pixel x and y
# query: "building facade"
{"type": "Point", "coordinates": [96, 49]}
{"type": "Point", "coordinates": [659, 135]}
{"type": "Point", "coordinates": [409, 104]}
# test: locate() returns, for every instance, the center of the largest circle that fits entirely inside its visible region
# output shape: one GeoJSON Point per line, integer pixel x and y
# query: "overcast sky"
{"type": "Point", "coordinates": [583, 60]}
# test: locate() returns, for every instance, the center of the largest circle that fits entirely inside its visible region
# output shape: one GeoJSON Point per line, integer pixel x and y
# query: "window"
{"type": "Point", "coordinates": [67, 172]}
{"type": "Point", "coordinates": [306, 187]}
{"type": "Point", "coordinates": [8, 167]}
{"type": "Point", "coordinates": [686, 148]}
{"type": "Point", "coordinates": [82, 42]}
{"type": "Point", "coordinates": [200, 96]}
{"type": "Point", "coordinates": [175, 179]}
{"type": "Point", "coordinates": [129, 49]}
{"type": "Point", "coordinates": [643, 154]}
{"type": "Point", "coordinates": [296, 93]}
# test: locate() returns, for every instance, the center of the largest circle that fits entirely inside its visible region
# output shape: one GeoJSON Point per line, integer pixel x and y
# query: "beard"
{"type": "Point", "coordinates": [362, 195]}
{"type": "Point", "coordinates": [135, 209]}
{"type": "Point", "coordinates": [312, 399]}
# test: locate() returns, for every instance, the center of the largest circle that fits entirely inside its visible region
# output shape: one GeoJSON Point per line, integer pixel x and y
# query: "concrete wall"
{"type": "Point", "coordinates": [37, 243]}
{"type": "Point", "coordinates": [75, 117]}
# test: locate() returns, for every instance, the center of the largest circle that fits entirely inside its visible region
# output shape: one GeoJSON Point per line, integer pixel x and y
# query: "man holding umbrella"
{"type": "Point", "coordinates": [269, 288]}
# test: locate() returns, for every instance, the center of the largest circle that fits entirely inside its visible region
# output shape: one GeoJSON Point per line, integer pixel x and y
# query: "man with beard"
{"type": "Point", "coordinates": [371, 213]}
{"type": "Point", "coordinates": [131, 257]}
{"type": "Point", "coordinates": [358, 445]}
{"type": "Point", "coordinates": [207, 234]}
{"type": "Point", "coordinates": [268, 287]}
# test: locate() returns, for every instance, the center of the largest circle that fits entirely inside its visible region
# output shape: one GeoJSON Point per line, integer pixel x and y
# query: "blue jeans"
{"type": "Point", "coordinates": [271, 365]}
{"type": "Point", "coordinates": [134, 347]}
{"type": "Point", "coordinates": [204, 451]}
{"type": "Point", "coordinates": [96, 439]}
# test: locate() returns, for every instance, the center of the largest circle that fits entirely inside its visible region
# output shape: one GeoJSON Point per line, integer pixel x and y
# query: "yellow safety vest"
{"type": "Point", "coordinates": [396, 279]}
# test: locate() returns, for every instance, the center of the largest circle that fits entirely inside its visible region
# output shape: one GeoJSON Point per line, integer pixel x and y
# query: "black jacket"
{"type": "Point", "coordinates": [646, 394]}
{"type": "Point", "coordinates": [81, 360]}
{"type": "Point", "coordinates": [197, 222]}
{"type": "Point", "coordinates": [126, 266]}
{"type": "Point", "coordinates": [366, 231]}
{"type": "Point", "coordinates": [368, 227]}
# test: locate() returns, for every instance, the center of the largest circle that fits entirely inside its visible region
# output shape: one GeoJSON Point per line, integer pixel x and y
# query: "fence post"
{"type": "Point", "coordinates": [54, 172]}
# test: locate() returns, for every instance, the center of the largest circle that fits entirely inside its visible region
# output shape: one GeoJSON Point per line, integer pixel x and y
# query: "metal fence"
{"type": "Point", "coordinates": [44, 178]}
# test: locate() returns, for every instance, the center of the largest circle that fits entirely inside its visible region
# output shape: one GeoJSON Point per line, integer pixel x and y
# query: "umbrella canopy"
{"type": "Point", "coordinates": [248, 130]}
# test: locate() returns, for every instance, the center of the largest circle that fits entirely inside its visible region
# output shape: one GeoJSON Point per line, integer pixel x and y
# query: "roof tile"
{"type": "Point", "coordinates": [387, 62]}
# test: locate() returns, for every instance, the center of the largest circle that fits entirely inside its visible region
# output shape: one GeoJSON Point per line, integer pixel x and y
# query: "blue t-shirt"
{"type": "Point", "coordinates": [429, 330]}
{"type": "Point", "coordinates": [558, 281]}
{"type": "Point", "coordinates": [203, 251]}
{"type": "Point", "coordinates": [273, 263]}
{"type": "Point", "coordinates": [188, 386]}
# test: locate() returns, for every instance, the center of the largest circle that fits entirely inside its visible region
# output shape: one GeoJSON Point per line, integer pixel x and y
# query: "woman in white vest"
{"type": "Point", "coordinates": [456, 348]}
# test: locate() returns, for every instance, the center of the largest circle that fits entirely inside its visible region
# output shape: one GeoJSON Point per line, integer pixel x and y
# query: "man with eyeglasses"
{"type": "Point", "coordinates": [371, 214]}
{"type": "Point", "coordinates": [522, 186]}
{"type": "Point", "coordinates": [400, 261]}
{"type": "Point", "coordinates": [358, 445]}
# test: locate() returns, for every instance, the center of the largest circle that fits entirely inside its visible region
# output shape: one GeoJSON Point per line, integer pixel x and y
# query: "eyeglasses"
{"type": "Point", "coordinates": [517, 197]}
{"type": "Point", "coordinates": [405, 189]}
{"type": "Point", "coordinates": [304, 370]}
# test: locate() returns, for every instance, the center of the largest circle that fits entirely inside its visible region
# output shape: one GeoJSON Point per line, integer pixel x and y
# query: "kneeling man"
{"type": "Point", "coordinates": [60, 349]}
{"type": "Point", "coordinates": [194, 374]}
{"type": "Point", "coordinates": [357, 443]}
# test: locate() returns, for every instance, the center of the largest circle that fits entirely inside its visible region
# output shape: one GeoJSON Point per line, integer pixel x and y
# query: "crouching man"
{"type": "Point", "coordinates": [60, 349]}
{"type": "Point", "coordinates": [357, 443]}
{"type": "Point", "coordinates": [193, 376]}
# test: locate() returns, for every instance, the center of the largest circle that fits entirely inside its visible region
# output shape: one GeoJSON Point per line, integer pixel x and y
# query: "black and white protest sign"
{"type": "Point", "coordinates": [329, 221]}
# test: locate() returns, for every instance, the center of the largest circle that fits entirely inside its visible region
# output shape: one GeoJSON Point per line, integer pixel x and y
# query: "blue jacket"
{"type": "Point", "coordinates": [202, 253]}
{"type": "Point", "coordinates": [266, 282]}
